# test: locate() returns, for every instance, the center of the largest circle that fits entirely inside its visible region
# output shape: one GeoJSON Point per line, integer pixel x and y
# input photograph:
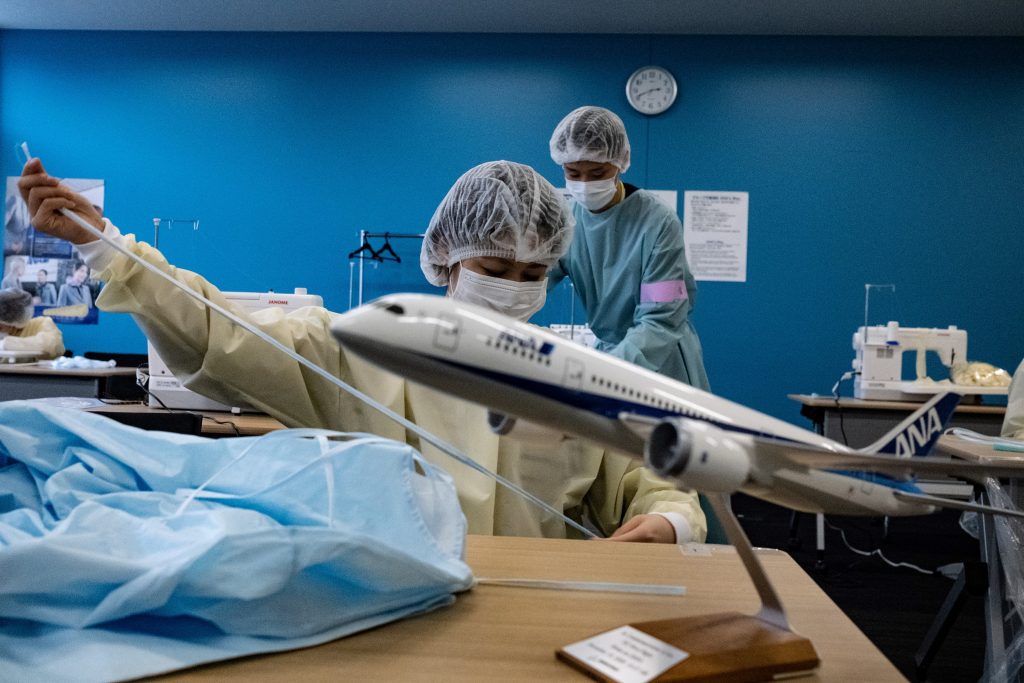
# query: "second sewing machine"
{"type": "Point", "coordinates": [879, 363]}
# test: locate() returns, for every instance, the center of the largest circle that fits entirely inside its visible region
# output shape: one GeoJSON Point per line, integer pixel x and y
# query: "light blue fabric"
{"type": "Point", "coordinates": [126, 553]}
{"type": "Point", "coordinates": [639, 241]}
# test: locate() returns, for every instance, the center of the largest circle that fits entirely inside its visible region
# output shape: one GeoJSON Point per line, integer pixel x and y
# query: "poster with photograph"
{"type": "Point", "coordinates": [48, 268]}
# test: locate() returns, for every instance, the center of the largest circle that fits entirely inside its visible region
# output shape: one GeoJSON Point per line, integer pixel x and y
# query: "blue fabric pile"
{"type": "Point", "coordinates": [126, 553]}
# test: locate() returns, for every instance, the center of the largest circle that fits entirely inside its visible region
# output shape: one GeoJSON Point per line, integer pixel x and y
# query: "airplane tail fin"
{"type": "Point", "coordinates": [919, 433]}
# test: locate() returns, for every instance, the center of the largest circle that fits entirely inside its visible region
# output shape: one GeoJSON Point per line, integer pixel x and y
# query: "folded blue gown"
{"type": "Point", "coordinates": [126, 553]}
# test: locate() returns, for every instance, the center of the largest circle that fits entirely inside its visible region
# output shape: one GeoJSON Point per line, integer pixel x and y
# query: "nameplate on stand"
{"type": "Point", "coordinates": [624, 655]}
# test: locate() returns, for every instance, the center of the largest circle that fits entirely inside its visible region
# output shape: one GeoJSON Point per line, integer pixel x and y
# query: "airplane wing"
{"type": "Point", "coordinates": [939, 501]}
{"type": "Point", "coordinates": [813, 458]}
{"type": "Point", "coordinates": [642, 425]}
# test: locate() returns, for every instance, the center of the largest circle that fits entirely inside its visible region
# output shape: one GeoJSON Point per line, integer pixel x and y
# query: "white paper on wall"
{"type": "Point", "coordinates": [715, 232]}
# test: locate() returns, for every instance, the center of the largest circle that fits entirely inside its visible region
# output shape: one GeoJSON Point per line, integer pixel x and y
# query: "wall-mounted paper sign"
{"type": "Point", "coordinates": [715, 232]}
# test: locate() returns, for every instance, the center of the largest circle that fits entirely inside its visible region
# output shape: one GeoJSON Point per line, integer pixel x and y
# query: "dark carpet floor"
{"type": "Point", "coordinates": [894, 607]}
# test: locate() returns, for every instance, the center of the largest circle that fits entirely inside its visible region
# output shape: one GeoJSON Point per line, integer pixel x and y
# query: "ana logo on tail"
{"type": "Point", "coordinates": [918, 434]}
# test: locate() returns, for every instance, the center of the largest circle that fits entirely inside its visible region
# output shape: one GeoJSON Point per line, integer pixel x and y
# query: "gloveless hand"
{"type": "Point", "coordinates": [45, 197]}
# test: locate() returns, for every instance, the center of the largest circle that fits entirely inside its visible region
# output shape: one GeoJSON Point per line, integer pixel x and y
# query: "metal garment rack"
{"type": "Point", "coordinates": [364, 241]}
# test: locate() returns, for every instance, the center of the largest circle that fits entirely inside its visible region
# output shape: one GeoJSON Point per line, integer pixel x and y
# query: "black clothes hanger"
{"type": "Point", "coordinates": [365, 252]}
{"type": "Point", "coordinates": [386, 253]}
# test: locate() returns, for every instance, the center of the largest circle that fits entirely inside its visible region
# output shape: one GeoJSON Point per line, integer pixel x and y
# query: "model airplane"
{"type": "Point", "coordinates": [693, 436]}
{"type": "Point", "coordinates": [522, 372]}
{"type": "Point", "coordinates": [705, 442]}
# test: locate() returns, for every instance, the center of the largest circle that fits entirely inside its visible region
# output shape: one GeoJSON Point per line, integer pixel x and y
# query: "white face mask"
{"type": "Point", "coordinates": [594, 194]}
{"type": "Point", "coordinates": [518, 300]}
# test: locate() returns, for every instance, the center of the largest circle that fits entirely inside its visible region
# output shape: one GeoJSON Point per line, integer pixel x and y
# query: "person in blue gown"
{"type": "Point", "coordinates": [627, 260]}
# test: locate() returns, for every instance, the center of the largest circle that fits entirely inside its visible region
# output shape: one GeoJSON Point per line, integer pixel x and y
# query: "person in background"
{"type": "Point", "coordinates": [75, 290]}
{"type": "Point", "coordinates": [491, 241]}
{"type": "Point", "coordinates": [46, 293]}
{"type": "Point", "coordinates": [627, 261]}
{"type": "Point", "coordinates": [19, 331]}
{"type": "Point", "coordinates": [13, 273]}
{"type": "Point", "coordinates": [1013, 422]}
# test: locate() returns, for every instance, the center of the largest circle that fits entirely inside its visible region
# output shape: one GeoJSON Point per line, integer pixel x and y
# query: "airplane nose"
{"type": "Point", "coordinates": [352, 326]}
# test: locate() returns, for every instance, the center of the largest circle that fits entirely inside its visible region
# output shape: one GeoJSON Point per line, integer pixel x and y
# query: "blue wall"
{"type": "Point", "coordinates": [866, 159]}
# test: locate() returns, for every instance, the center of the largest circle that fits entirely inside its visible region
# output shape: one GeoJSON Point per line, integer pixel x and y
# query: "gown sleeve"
{"type": "Point", "coordinates": [40, 336]}
{"type": "Point", "coordinates": [1013, 423]}
{"type": "Point", "coordinates": [665, 292]}
{"type": "Point", "coordinates": [625, 489]}
{"type": "Point", "coordinates": [212, 356]}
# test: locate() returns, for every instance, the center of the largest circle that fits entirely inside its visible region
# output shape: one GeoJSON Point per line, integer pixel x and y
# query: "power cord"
{"type": "Point", "coordinates": [142, 380]}
{"type": "Point", "coordinates": [839, 409]}
{"type": "Point", "coordinates": [878, 552]}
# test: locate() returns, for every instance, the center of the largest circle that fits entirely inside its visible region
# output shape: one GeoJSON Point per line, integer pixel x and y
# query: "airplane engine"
{"type": "Point", "coordinates": [521, 430]}
{"type": "Point", "coordinates": [698, 455]}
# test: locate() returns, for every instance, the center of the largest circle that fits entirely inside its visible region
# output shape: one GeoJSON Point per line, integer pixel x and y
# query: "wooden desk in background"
{"type": "Point", "coordinates": [214, 423]}
{"type": "Point", "coordinates": [35, 381]}
{"type": "Point", "coordinates": [866, 421]}
{"type": "Point", "coordinates": [969, 450]}
{"type": "Point", "coordinates": [511, 634]}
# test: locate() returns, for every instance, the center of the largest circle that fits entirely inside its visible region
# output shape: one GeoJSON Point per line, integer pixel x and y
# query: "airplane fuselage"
{"type": "Point", "coordinates": [536, 375]}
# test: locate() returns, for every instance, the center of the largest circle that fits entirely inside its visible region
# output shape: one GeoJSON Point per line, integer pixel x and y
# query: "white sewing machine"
{"type": "Point", "coordinates": [165, 388]}
{"type": "Point", "coordinates": [879, 360]}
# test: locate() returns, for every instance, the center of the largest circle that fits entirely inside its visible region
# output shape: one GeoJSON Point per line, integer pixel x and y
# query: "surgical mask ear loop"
{"type": "Point", "coordinates": [325, 452]}
{"type": "Point", "coordinates": [195, 492]}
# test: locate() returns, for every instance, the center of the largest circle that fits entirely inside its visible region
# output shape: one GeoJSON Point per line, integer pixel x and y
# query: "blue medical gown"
{"type": "Point", "coordinates": [105, 575]}
{"type": "Point", "coordinates": [628, 265]}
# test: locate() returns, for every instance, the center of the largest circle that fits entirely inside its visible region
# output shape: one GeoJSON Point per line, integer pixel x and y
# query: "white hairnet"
{"type": "Point", "coordinates": [15, 307]}
{"type": "Point", "coordinates": [591, 134]}
{"type": "Point", "coordinates": [501, 209]}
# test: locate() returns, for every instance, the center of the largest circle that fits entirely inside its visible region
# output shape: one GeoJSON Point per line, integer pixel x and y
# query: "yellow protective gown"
{"type": "Point", "coordinates": [214, 357]}
{"type": "Point", "coordinates": [39, 335]}
{"type": "Point", "coordinates": [1013, 422]}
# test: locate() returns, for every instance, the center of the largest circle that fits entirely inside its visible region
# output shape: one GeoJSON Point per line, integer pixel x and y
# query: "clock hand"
{"type": "Point", "coordinates": [648, 91]}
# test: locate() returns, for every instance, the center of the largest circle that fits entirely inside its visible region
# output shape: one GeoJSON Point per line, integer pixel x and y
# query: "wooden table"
{"type": "Point", "coordinates": [511, 634]}
{"type": "Point", "coordinates": [23, 381]}
{"type": "Point", "coordinates": [214, 423]}
{"type": "Point", "coordinates": [968, 450]}
{"type": "Point", "coordinates": [864, 422]}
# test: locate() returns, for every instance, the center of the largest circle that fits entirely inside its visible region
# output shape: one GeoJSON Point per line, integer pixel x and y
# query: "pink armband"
{"type": "Point", "coordinates": [663, 292]}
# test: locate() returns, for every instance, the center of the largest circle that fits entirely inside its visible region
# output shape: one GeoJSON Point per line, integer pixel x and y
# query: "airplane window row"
{"type": "Point", "coordinates": [632, 393]}
{"type": "Point", "coordinates": [529, 354]}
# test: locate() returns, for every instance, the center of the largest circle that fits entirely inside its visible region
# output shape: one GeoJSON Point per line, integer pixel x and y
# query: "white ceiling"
{"type": "Point", "coordinates": [721, 17]}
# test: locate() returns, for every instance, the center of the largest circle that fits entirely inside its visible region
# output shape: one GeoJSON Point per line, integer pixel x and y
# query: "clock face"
{"type": "Point", "coordinates": [651, 90]}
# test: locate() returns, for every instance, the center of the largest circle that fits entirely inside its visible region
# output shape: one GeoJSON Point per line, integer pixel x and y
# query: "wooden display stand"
{"type": "Point", "coordinates": [728, 646]}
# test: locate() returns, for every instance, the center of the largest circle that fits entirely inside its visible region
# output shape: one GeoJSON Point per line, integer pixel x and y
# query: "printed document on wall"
{"type": "Point", "coordinates": [715, 232]}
